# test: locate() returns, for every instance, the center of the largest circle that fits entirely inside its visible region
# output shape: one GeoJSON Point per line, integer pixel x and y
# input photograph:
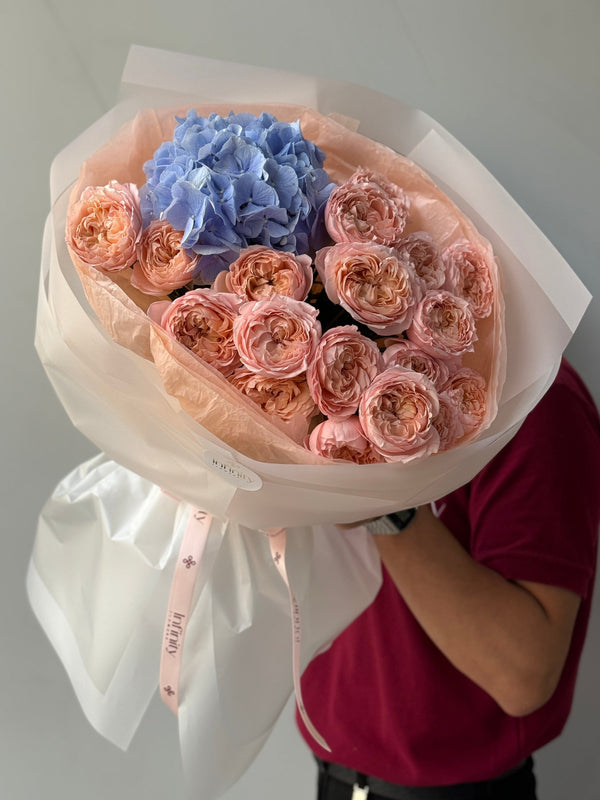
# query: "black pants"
{"type": "Point", "coordinates": [337, 784]}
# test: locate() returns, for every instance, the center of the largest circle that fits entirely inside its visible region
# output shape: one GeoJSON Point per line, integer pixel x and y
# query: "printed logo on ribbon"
{"type": "Point", "coordinates": [232, 472]}
{"type": "Point", "coordinates": [174, 632]}
{"type": "Point", "coordinates": [180, 604]}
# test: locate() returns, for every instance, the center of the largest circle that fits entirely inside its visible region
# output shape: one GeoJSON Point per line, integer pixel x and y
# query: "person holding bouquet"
{"type": "Point", "coordinates": [465, 664]}
{"type": "Point", "coordinates": [343, 320]}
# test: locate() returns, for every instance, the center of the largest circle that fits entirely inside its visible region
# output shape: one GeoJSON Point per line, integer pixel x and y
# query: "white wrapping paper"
{"type": "Point", "coordinates": [99, 582]}
{"type": "Point", "coordinates": [117, 400]}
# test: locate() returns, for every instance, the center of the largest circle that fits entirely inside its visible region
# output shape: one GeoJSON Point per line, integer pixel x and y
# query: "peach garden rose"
{"type": "Point", "coordinates": [367, 208]}
{"type": "Point", "coordinates": [467, 389]}
{"type": "Point", "coordinates": [371, 283]}
{"type": "Point", "coordinates": [397, 413]}
{"type": "Point", "coordinates": [105, 225]}
{"type": "Point", "coordinates": [344, 364]}
{"type": "Point", "coordinates": [409, 355]}
{"type": "Point", "coordinates": [282, 397]}
{"type": "Point", "coordinates": [202, 320]}
{"type": "Point", "coordinates": [163, 264]}
{"type": "Point", "coordinates": [443, 325]}
{"type": "Point", "coordinates": [447, 422]}
{"type": "Point", "coordinates": [422, 254]}
{"type": "Point", "coordinates": [260, 272]}
{"type": "Point", "coordinates": [468, 276]}
{"type": "Point", "coordinates": [343, 439]}
{"type": "Point", "coordinates": [278, 336]}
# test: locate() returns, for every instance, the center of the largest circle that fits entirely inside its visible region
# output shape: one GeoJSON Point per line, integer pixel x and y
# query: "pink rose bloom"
{"type": "Point", "coordinates": [443, 325]}
{"type": "Point", "coordinates": [104, 226]}
{"type": "Point", "coordinates": [260, 272]}
{"type": "Point", "coordinates": [468, 275]}
{"type": "Point", "coordinates": [343, 439]}
{"type": "Point", "coordinates": [277, 336]}
{"type": "Point", "coordinates": [467, 390]}
{"type": "Point", "coordinates": [371, 283]}
{"type": "Point", "coordinates": [283, 397]}
{"type": "Point", "coordinates": [419, 250]}
{"type": "Point", "coordinates": [367, 208]}
{"type": "Point", "coordinates": [202, 320]}
{"type": "Point", "coordinates": [397, 412]}
{"type": "Point", "coordinates": [344, 364]}
{"type": "Point", "coordinates": [162, 265]}
{"type": "Point", "coordinates": [407, 354]}
{"type": "Point", "coordinates": [447, 422]}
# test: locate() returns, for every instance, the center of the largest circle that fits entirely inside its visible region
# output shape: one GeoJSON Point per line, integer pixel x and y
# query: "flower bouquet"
{"type": "Point", "coordinates": [233, 213]}
{"type": "Point", "coordinates": [263, 390]}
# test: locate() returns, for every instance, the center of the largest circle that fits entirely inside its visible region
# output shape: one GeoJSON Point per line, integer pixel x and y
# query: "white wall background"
{"type": "Point", "coordinates": [517, 82]}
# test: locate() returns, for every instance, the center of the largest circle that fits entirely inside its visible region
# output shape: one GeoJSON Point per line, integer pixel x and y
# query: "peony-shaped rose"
{"type": "Point", "coordinates": [443, 325]}
{"type": "Point", "coordinates": [202, 320]}
{"type": "Point", "coordinates": [260, 272]}
{"type": "Point", "coordinates": [283, 397]}
{"type": "Point", "coordinates": [367, 208]}
{"type": "Point", "coordinates": [104, 226]}
{"type": "Point", "coordinates": [467, 390]}
{"type": "Point", "coordinates": [344, 364]}
{"type": "Point", "coordinates": [278, 336]}
{"type": "Point", "coordinates": [343, 439]}
{"type": "Point", "coordinates": [468, 275]}
{"type": "Point", "coordinates": [163, 264]}
{"type": "Point", "coordinates": [397, 413]}
{"type": "Point", "coordinates": [409, 355]}
{"type": "Point", "coordinates": [447, 422]}
{"type": "Point", "coordinates": [420, 251]}
{"type": "Point", "coordinates": [371, 283]}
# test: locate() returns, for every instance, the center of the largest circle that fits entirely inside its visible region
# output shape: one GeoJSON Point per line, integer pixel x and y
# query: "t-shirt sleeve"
{"type": "Point", "coordinates": [535, 509]}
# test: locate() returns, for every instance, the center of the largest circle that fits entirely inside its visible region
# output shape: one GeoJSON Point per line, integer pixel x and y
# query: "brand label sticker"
{"type": "Point", "coordinates": [232, 472]}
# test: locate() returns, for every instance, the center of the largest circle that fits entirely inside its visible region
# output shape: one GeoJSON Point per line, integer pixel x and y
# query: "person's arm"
{"type": "Point", "coordinates": [510, 638]}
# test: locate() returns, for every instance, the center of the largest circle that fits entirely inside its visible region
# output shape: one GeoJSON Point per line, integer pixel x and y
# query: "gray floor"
{"type": "Point", "coordinates": [518, 83]}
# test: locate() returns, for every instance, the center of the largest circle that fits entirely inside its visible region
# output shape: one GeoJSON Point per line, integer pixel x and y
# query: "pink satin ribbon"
{"type": "Point", "coordinates": [180, 600]}
{"type": "Point", "coordinates": [277, 540]}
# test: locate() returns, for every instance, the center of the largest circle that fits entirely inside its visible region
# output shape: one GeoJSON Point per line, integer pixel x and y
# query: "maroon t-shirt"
{"type": "Point", "coordinates": [387, 701]}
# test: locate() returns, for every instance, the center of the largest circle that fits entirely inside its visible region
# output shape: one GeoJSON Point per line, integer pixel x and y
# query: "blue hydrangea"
{"type": "Point", "coordinates": [230, 182]}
